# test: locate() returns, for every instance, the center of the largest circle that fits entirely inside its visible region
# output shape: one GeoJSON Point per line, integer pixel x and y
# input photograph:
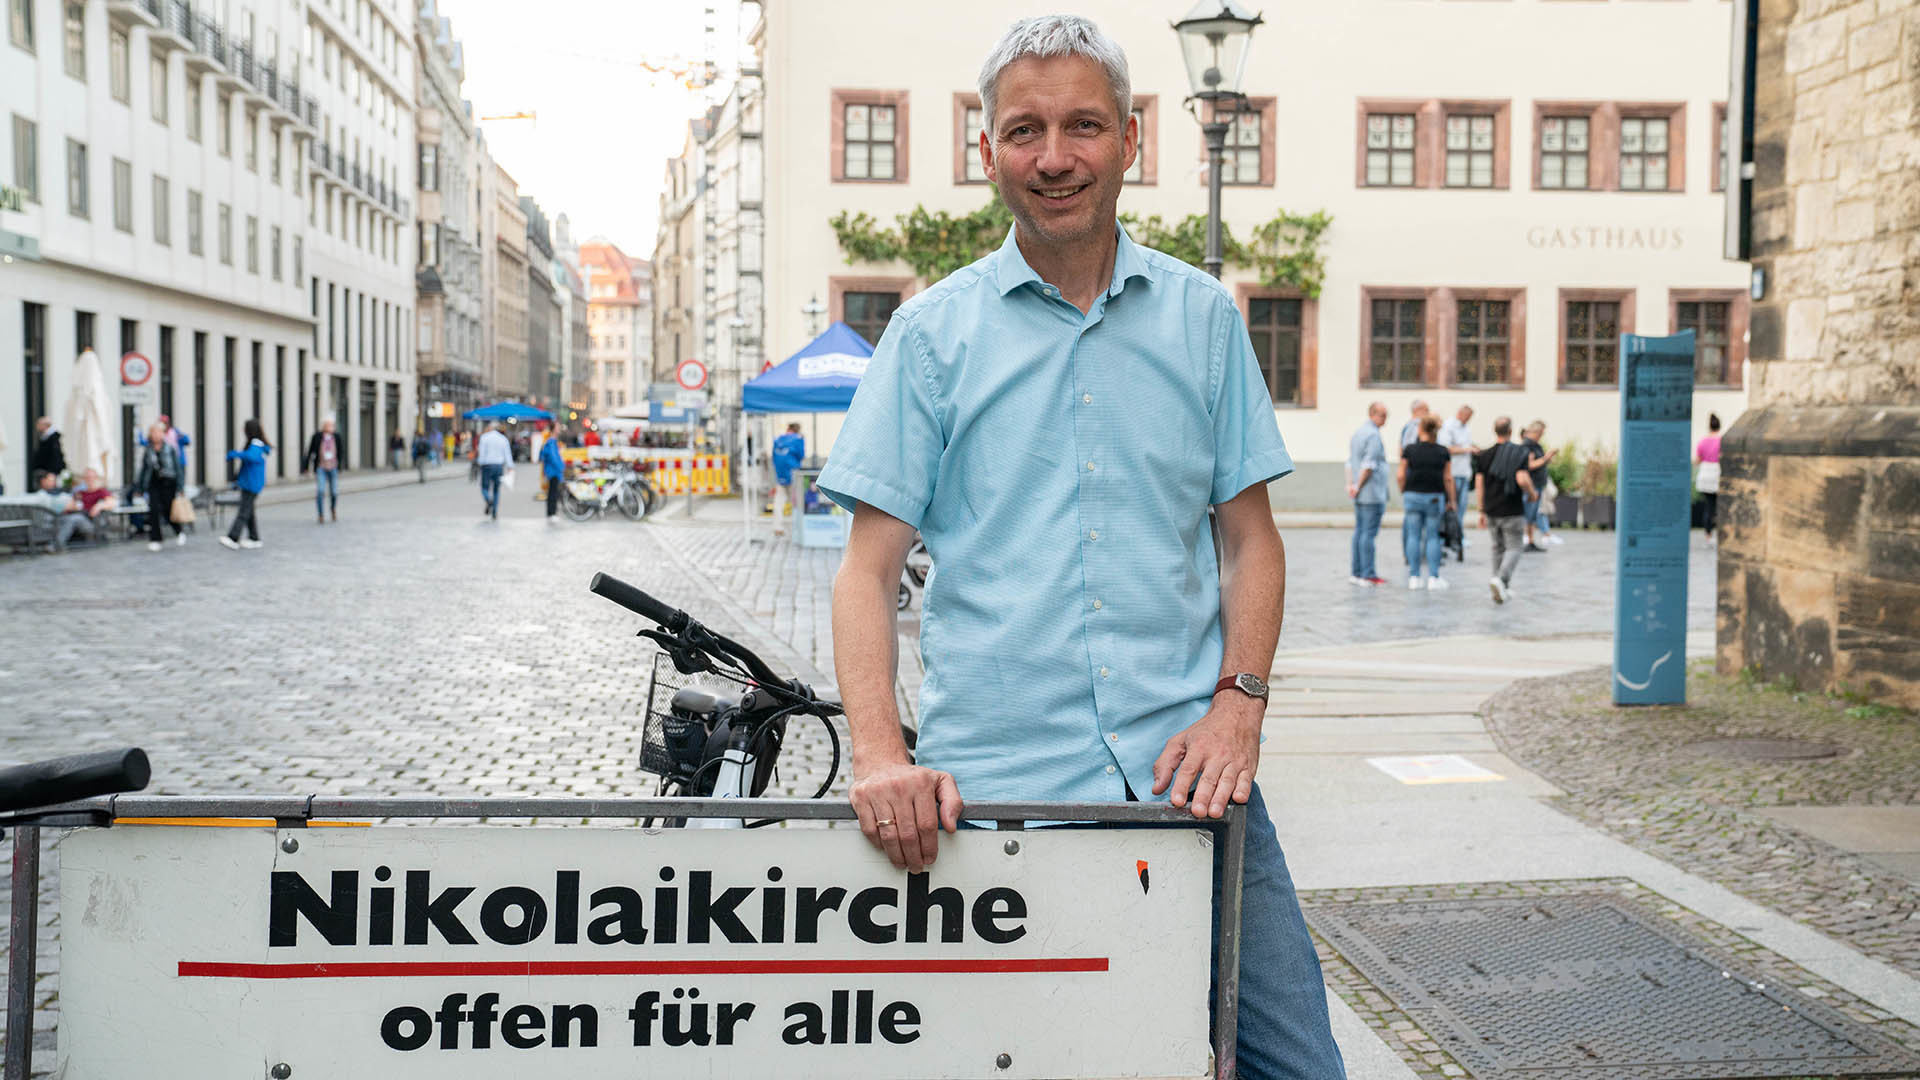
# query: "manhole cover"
{"type": "Point", "coordinates": [1587, 986]}
{"type": "Point", "coordinates": [1754, 749]}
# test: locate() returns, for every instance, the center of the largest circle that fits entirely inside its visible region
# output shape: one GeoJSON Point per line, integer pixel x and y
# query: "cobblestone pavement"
{"type": "Point", "coordinates": [414, 648]}
{"type": "Point", "coordinates": [1645, 776]}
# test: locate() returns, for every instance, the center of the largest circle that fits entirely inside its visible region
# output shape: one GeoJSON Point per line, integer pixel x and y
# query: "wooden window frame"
{"type": "Point", "coordinates": [1430, 139]}
{"type": "Point", "coordinates": [839, 287]}
{"type": "Point", "coordinates": [1515, 297]}
{"type": "Point", "coordinates": [1429, 353]}
{"type": "Point", "coordinates": [837, 134]}
{"type": "Point", "coordinates": [1626, 298]}
{"type": "Point", "coordinates": [1149, 146]}
{"type": "Point", "coordinates": [1268, 108]}
{"type": "Point", "coordinates": [1738, 313]}
{"type": "Point", "coordinates": [1246, 292]}
{"type": "Point", "coordinates": [1716, 168]}
{"type": "Point", "coordinates": [1675, 114]}
{"type": "Point", "coordinates": [1603, 141]}
{"type": "Point", "coordinates": [962, 101]}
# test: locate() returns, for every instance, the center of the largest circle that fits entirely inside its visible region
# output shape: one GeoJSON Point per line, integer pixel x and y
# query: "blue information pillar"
{"type": "Point", "coordinates": [1654, 489]}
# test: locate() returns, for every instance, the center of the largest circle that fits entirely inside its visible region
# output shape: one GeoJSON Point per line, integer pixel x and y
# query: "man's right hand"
{"type": "Point", "coordinates": [902, 809]}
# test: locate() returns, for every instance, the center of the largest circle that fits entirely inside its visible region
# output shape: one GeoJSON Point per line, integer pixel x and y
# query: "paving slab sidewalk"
{"type": "Point", "coordinates": [1346, 824]}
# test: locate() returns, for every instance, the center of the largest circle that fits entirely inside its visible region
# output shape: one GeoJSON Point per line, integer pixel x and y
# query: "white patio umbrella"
{"type": "Point", "coordinates": [88, 429]}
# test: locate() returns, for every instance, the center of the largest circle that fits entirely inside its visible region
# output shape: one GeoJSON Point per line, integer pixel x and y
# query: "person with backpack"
{"type": "Point", "coordinates": [1500, 477]}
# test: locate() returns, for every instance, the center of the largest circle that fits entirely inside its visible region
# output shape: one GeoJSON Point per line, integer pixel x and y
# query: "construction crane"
{"type": "Point", "coordinates": [510, 116]}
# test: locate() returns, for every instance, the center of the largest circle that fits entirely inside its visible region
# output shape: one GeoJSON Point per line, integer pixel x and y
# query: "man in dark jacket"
{"type": "Point", "coordinates": [325, 451]}
{"type": "Point", "coordinates": [47, 454]}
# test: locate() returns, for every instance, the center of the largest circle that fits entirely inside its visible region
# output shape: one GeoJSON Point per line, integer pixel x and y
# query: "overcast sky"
{"type": "Point", "coordinates": [605, 125]}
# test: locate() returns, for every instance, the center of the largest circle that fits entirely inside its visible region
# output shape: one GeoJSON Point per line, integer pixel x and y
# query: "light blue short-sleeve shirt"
{"type": "Point", "coordinates": [1059, 466]}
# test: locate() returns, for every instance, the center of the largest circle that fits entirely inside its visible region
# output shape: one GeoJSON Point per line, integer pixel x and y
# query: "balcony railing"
{"type": "Point", "coordinates": [209, 40]}
{"type": "Point", "coordinates": [242, 63]}
{"type": "Point", "coordinates": [176, 18]}
{"type": "Point", "coordinates": [270, 82]}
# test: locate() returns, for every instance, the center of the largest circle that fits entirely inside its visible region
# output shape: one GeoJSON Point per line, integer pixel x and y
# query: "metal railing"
{"type": "Point", "coordinates": [296, 811]}
{"type": "Point", "coordinates": [209, 40]}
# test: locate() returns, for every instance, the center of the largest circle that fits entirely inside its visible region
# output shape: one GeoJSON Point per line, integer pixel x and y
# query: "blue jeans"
{"type": "Point", "coordinates": [490, 487]}
{"type": "Point", "coordinates": [1366, 526]}
{"type": "Point", "coordinates": [326, 489]}
{"type": "Point", "coordinates": [1533, 515]}
{"type": "Point", "coordinates": [1284, 1031]}
{"type": "Point", "coordinates": [1422, 530]}
{"type": "Point", "coordinates": [1462, 491]}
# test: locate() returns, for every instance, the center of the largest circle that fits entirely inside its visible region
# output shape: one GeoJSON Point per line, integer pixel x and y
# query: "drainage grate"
{"type": "Point", "coordinates": [1587, 986]}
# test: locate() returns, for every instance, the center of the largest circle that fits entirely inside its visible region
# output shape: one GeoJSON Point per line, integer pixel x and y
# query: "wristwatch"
{"type": "Point", "coordinates": [1247, 683]}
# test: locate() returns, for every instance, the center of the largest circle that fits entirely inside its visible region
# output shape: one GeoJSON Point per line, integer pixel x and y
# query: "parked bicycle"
{"type": "Point", "coordinates": [710, 741]}
{"type": "Point", "coordinates": [588, 495]}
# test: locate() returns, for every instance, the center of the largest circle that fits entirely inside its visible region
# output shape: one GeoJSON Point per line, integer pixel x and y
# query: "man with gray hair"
{"type": "Point", "coordinates": [1089, 647]}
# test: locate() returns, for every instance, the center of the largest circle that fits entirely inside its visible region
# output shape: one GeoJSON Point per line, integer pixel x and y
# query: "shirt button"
{"type": "Point", "coordinates": [1096, 605]}
{"type": "Point", "coordinates": [1113, 738]}
{"type": "Point", "coordinates": [1093, 534]}
{"type": "Point", "coordinates": [1103, 673]}
{"type": "Point", "coordinates": [1109, 770]}
{"type": "Point", "coordinates": [1089, 466]}
{"type": "Point", "coordinates": [1087, 398]}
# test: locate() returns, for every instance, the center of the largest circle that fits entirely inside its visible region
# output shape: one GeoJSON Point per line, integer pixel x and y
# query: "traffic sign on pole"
{"type": "Point", "coordinates": [691, 374]}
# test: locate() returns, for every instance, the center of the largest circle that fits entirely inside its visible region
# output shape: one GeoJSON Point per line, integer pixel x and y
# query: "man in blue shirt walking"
{"type": "Point", "coordinates": [1367, 487]}
{"type": "Point", "coordinates": [1087, 647]}
{"type": "Point", "coordinates": [789, 450]}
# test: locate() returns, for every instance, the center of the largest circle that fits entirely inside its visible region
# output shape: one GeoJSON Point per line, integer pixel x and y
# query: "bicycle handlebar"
{"type": "Point", "coordinates": [65, 779]}
{"type": "Point", "coordinates": [679, 622]}
{"type": "Point", "coordinates": [637, 602]}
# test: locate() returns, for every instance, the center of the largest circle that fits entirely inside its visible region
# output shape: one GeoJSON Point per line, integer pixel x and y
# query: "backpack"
{"type": "Point", "coordinates": [1504, 469]}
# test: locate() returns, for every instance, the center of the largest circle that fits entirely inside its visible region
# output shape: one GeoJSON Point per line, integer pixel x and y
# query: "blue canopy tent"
{"type": "Point", "coordinates": [819, 378]}
{"type": "Point", "coordinates": [506, 410]}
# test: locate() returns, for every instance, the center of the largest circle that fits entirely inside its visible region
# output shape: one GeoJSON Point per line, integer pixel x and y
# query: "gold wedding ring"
{"type": "Point", "coordinates": [883, 823]}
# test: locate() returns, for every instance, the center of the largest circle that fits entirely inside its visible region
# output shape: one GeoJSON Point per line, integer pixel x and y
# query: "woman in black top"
{"type": "Point", "coordinates": [1426, 495]}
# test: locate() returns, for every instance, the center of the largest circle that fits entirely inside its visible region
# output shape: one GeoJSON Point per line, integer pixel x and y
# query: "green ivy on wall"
{"type": "Point", "coordinates": [1283, 252]}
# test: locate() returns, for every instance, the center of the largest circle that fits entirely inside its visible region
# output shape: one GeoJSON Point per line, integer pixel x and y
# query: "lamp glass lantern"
{"type": "Point", "coordinates": [1213, 41]}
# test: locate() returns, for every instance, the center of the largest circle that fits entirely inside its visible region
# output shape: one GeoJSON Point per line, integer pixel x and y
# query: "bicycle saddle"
{"type": "Point", "coordinates": [701, 701]}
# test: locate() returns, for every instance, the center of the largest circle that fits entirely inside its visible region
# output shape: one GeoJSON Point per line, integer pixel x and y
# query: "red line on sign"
{"type": "Point", "coordinates": [396, 969]}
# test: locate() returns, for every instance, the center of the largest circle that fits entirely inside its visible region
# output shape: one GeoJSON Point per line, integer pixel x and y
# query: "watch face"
{"type": "Point", "coordinates": [1252, 684]}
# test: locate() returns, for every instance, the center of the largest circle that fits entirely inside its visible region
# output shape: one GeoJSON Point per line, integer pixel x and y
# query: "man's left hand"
{"type": "Point", "coordinates": [1215, 759]}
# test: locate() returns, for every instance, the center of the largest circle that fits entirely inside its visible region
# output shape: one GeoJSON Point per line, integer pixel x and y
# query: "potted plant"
{"type": "Point", "coordinates": [1598, 477]}
{"type": "Point", "coordinates": [1564, 472]}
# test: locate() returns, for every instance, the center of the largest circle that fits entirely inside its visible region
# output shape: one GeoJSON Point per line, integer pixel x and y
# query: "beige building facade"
{"type": "Point", "coordinates": [1502, 207]}
{"type": "Point", "coordinates": [506, 283]}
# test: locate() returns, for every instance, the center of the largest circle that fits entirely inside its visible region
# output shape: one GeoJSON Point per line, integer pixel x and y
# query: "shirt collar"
{"type": "Point", "coordinates": [1011, 270]}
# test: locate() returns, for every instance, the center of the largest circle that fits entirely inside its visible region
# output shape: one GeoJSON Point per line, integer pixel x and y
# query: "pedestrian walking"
{"type": "Point", "coordinates": [422, 454]}
{"type": "Point", "coordinates": [451, 443]}
{"type": "Point", "coordinates": [1500, 475]}
{"type": "Point", "coordinates": [1707, 480]}
{"type": "Point", "coordinates": [161, 475]}
{"type": "Point", "coordinates": [1458, 439]}
{"type": "Point", "coordinates": [495, 459]}
{"type": "Point", "coordinates": [252, 478]}
{"type": "Point", "coordinates": [553, 469]}
{"type": "Point", "coordinates": [789, 450]}
{"type": "Point", "coordinates": [1367, 487]}
{"type": "Point", "coordinates": [48, 457]}
{"type": "Point", "coordinates": [397, 450]}
{"type": "Point", "coordinates": [324, 452]}
{"type": "Point", "coordinates": [1117, 626]}
{"type": "Point", "coordinates": [1539, 533]}
{"type": "Point", "coordinates": [1410, 431]}
{"type": "Point", "coordinates": [1426, 493]}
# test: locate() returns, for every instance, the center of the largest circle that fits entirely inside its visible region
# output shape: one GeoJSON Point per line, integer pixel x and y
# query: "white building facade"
{"type": "Point", "coordinates": [452, 369]}
{"type": "Point", "coordinates": [1503, 205]}
{"type": "Point", "coordinates": [157, 205]}
{"type": "Point", "coordinates": [358, 58]}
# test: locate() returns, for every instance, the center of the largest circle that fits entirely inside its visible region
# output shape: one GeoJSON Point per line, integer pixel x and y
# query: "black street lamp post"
{"type": "Point", "coordinates": [1213, 40]}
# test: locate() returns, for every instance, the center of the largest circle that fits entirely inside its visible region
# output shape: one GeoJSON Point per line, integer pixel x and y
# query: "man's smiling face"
{"type": "Point", "coordinates": [1059, 148]}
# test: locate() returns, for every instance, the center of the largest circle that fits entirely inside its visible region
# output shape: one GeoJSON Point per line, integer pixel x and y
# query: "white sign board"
{"type": "Point", "coordinates": [483, 952]}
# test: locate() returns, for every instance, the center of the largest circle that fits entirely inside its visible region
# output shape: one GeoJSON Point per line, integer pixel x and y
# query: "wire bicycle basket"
{"type": "Point", "coordinates": [668, 741]}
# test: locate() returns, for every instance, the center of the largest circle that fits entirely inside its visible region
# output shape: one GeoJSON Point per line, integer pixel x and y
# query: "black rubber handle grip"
{"type": "Point", "coordinates": [636, 601]}
{"type": "Point", "coordinates": [82, 776]}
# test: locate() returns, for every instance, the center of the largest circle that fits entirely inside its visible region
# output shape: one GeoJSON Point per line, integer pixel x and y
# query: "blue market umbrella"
{"type": "Point", "coordinates": [506, 410]}
{"type": "Point", "coordinates": [819, 378]}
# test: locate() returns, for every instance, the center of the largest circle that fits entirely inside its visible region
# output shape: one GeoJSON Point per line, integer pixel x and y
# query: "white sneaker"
{"type": "Point", "coordinates": [229, 543]}
{"type": "Point", "coordinates": [1499, 590]}
{"type": "Point", "coordinates": [1413, 584]}
{"type": "Point", "coordinates": [1554, 540]}
{"type": "Point", "coordinates": [1361, 582]}
{"type": "Point", "coordinates": [251, 544]}
{"type": "Point", "coordinates": [1436, 584]}
{"type": "Point", "coordinates": [179, 539]}
{"type": "Point", "coordinates": [153, 545]}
